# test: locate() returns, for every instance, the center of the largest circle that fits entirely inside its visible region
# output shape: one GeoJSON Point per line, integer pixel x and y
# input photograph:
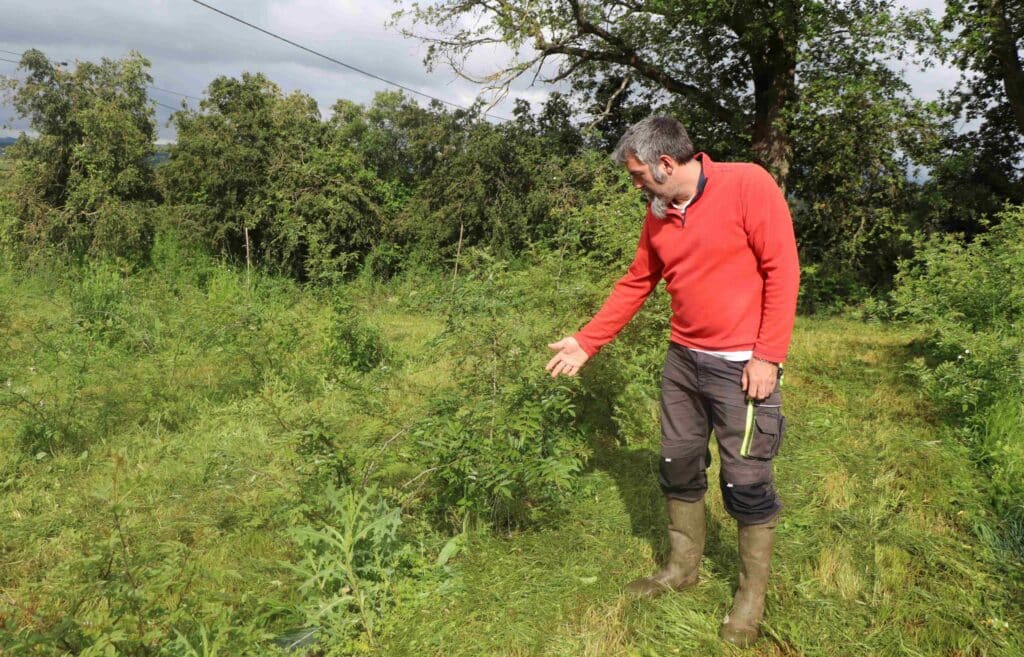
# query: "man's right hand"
{"type": "Point", "coordinates": [568, 360]}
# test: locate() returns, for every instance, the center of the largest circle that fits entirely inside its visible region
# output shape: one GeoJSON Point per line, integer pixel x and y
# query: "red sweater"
{"type": "Point", "coordinates": [730, 268]}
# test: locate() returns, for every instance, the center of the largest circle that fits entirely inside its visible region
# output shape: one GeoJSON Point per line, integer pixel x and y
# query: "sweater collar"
{"type": "Point", "coordinates": [706, 167]}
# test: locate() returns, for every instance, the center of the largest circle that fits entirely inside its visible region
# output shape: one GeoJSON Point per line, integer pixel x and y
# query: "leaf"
{"type": "Point", "coordinates": [451, 548]}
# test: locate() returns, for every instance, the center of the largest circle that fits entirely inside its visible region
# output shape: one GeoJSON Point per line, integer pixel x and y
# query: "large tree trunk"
{"type": "Point", "coordinates": [770, 139]}
{"type": "Point", "coordinates": [773, 65]}
{"type": "Point", "coordinates": [1004, 47]}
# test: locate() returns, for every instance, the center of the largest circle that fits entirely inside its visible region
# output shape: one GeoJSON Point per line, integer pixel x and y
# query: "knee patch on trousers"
{"type": "Point", "coordinates": [682, 478]}
{"type": "Point", "coordinates": [751, 504]}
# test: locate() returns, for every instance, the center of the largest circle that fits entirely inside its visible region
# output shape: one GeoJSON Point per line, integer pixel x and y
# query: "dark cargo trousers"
{"type": "Point", "coordinates": [700, 393]}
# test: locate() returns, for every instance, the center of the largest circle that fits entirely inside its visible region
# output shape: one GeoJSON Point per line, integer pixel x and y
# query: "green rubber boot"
{"type": "Point", "coordinates": [686, 532]}
{"type": "Point", "coordinates": [740, 626]}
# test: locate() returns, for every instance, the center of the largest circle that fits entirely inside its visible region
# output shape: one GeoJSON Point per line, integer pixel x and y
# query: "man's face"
{"type": "Point", "coordinates": [659, 194]}
{"type": "Point", "coordinates": [641, 175]}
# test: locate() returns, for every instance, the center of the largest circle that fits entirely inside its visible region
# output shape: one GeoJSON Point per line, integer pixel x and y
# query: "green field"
{"type": "Point", "coordinates": [171, 439]}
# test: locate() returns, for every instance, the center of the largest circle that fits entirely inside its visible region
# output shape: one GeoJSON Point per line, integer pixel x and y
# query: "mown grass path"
{"type": "Point", "coordinates": [882, 550]}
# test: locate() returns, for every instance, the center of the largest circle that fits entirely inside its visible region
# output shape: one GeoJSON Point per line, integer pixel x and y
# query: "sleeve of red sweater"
{"type": "Point", "coordinates": [770, 234]}
{"type": "Point", "coordinates": [626, 297]}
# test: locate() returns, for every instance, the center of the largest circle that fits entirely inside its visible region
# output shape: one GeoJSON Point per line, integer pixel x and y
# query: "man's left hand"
{"type": "Point", "coordinates": [758, 379]}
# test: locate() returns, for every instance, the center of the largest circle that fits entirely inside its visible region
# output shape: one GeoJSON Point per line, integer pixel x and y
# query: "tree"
{"type": "Point", "coordinates": [74, 181]}
{"type": "Point", "coordinates": [732, 66]}
{"type": "Point", "coordinates": [264, 179]}
{"type": "Point", "coordinates": [982, 167]}
{"type": "Point", "coordinates": [989, 42]}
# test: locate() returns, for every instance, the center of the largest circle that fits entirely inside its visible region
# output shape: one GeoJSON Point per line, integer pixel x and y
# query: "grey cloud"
{"type": "Point", "coordinates": [189, 45]}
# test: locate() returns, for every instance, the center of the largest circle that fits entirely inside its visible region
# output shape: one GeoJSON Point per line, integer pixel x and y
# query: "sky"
{"type": "Point", "coordinates": [189, 45]}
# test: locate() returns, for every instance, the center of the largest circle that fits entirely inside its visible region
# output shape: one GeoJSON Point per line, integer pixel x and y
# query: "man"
{"type": "Point", "coordinates": [721, 236]}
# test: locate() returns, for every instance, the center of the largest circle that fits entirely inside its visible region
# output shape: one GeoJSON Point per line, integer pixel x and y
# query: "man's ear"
{"type": "Point", "coordinates": [668, 163]}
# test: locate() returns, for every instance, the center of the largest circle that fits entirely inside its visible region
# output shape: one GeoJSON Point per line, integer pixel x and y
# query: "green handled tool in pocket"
{"type": "Point", "coordinates": [762, 432]}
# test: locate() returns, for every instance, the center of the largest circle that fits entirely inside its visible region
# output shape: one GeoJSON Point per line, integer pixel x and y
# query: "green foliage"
{"type": "Point", "coordinates": [401, 141]}
{"type": "Point", "coordinates": [854, 223]}
{"type": "Point", "coordinates": [10, 239]}
{"type": "Point", "coordinates": [263, 180]}
{"type": "Point", "coordinates": [219, 441]}
{"type": "Point", "coordinates": [504, 446]}
{"type": "Point", "coordinates": [124, 592]}
{"type": "Point", "coordinates": [969, 298]}
{"type": "Point", "coordinates": [999, 441]}
{"type": "Point", "coordinates": [351, 559]}
{"type": "Point", "coordinates": [83, 185]}
{"type": "Point", "coordinates": [979, 168]}
{"type": "Point", "coordinates": [484, 194]}
{"type": "Point", "coordinates": [353, 341]}
{"type": "Point", "coordinates": [807, 89]}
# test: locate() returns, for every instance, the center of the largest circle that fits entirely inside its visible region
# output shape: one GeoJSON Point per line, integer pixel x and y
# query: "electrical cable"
{"type": "Point", "coordinates": [176, 93]}
{"type": "Point", "coordinates": [338, 61]}
{"type": "Point", "coordinates": [173, 109]}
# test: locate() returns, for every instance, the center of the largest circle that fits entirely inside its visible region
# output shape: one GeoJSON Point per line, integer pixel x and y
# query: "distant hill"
{"type": "Point", "coordinates": [5, 142]}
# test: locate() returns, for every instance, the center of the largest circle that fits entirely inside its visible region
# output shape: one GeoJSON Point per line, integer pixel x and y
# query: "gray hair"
{"type": "Point", "coordinates": [650, 138]}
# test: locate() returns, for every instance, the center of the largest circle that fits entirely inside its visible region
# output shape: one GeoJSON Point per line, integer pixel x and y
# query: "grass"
{"type": "Point", "coordinates": [878, 552]}
{"type": "Point", "coordinates": [201, 416]}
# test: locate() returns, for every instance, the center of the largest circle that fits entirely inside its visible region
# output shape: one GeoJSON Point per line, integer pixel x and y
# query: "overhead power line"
{"type": "Point", "coordinates": [176, 93]}
{"type": "Point", "coordinates": [336, 61]}
{"type": "Point", "coordinates": [173, 109]}
{"type": "Point", "coordinates": [13, 61]}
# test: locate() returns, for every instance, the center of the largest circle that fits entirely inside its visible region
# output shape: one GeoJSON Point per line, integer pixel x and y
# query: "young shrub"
{"type": "Point", "coordinates": [505, 447]}
{"type": "Point", "coordinates": [98, 297]}
{"type": "Point", "coordinates": [122, 230]}
{"type": "Point", "coordinates": [354, 342]}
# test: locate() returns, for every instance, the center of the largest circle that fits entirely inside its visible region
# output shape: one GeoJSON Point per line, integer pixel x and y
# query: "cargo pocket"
{"type": "Point", "coordinates": [763, 434]}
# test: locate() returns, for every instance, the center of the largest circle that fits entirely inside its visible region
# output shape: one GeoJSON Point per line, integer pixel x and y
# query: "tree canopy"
{"type": "Point", "coordinates": [96, 134]}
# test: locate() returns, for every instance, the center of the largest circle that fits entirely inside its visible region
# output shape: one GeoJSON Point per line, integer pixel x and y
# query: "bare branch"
{"type": "Point", "coordinates": [611, 100]}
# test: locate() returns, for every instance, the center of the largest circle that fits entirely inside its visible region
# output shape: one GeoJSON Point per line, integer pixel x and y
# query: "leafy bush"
{"type": "Point", "coordinates": [505, 446]}
{"type": "Point", "coordinates": [970, 299]}
{"type": "Point", "coordinates": [83, 185]}
{"type": "Point", "coordinates": [353, 341]}
{"type": "Point", "coordinates": [262, 179]}
{"type": "Point", "coordinates": [507, 459]}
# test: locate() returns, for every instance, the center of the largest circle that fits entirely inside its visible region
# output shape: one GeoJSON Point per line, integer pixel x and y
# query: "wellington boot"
{"type": "Point", "coordinates": [740, 626]}
{"type": "Point", "coordinates": [686, 532]}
